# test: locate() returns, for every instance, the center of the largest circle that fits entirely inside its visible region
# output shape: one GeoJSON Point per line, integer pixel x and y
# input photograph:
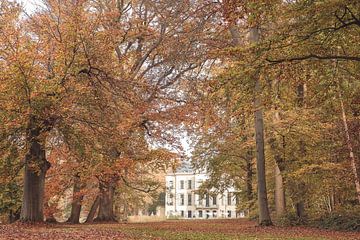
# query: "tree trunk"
{"type": "Point", "coordinates": [249, 180]}
{"type": "Point", "coordinates": [92, 212]}
{"type": "Point", "coordinates": [280, 204]}
{"type": "Point", "coordinates": [300, 209]}
{"type": "Point", "coordinates": [36, 166]}
{"type": "Point", "coordinates": [14, 216]}
{"type": "Point", "coordinates": [301, 188]}
{"type": "Point", "coordinates": [106, 211]}
{"type": "Point", "coordinates": [264, 215]}
{"type": "Point", "coordinates": [77, 201]}
{"type": "Point", "coordinates": [350, 148]}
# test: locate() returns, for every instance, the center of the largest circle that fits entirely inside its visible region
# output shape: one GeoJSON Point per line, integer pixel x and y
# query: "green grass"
{"type": "Point", "coordinates": [147, 233]}
{"type": "Point", "coordinates": [165, 234]}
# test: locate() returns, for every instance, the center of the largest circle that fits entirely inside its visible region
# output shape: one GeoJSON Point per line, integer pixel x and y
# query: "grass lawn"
{"type": "Point", "coordinates": [172, 230]}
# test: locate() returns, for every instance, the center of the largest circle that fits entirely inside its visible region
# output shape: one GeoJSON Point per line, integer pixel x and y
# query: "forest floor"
{"type": "Point", "coordinates": [169, 230]}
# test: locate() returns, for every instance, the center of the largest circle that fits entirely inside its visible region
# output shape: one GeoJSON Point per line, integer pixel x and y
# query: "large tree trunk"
{"type": "Point", "coordinates": [249, 155]}
{"type": "Point", "coordinates": [36, 166]}
{"type": "Point", "coordinates": [264, 215]}
{"type": "Point", "coordinates": [93, 209]}
{"type": "Point", "coordinates": [106, 211]}
{"type": "Point", "coordinates": [77, 201]}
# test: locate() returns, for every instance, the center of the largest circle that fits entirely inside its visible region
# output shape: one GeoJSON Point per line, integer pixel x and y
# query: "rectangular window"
{"type": "Point", "coordinates": [182, 213]}
{"type": "Point", "coordinates": [171, 199]}
{"type": "Point", "coordinates": [207, 200]}
{"type": "Point", "coordinates": [189, 184]}
{"type": "Point", "coordinates": [214, 199]}
{"type": "Point", "coordinates": [200, 200]}
{"type": "Point", "coordinates": [171, 184]}
{"type": "Point", "coordinates": [229, 202]}
{"type": "Point", "coordinates": [182, 199]}
{"type": "Point", "coordinates": [181, 184]}
{"type": "Point", "coordinates": [189, 214]}
{"type": "Point", "coordinates": [200, 214]}
{"type": "Point", "coordinates": [229, 214]}
{"type": "Point", "coordinates": [189, 199]}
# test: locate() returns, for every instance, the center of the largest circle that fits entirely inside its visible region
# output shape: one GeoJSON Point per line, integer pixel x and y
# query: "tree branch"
{"type": "Point", "coordinates": [314, 56]}
{"type": "Point", "coordinates": [149, 189]}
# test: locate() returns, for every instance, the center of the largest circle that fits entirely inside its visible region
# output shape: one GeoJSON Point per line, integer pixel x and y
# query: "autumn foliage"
{"type": "Point", "coordinates": [96, 96]}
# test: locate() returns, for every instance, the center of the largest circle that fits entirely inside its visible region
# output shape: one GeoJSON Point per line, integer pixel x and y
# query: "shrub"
{"type": "Point", "coordinates": [342, 219]}
{"type": "Point", "coordinates": [291, 219]}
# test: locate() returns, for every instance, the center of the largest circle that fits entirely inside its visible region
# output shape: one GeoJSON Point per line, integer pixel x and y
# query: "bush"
{"type": "Point", "coordinates": [291, 219]}
{"type": "Point", "coordinates": [343, 219]}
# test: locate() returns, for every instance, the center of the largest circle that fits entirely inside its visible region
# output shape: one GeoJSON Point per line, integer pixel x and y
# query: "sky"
{"type": "Point", "coordinates": [29, 5]}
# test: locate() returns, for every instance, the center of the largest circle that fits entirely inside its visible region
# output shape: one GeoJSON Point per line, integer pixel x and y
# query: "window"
{"type": "Point", "coordinates": [222, 213]}
{"type": "Point", "coordinates": [182, 199]}
{"type": "Point", "coordinates": [214, 199]}
{"type": "Point", "coordinates": [229, 214]}
{"type": "Point", "coordinates": [200, 214]}
{"type": "Point", "coordinates": [200, 200]}
{"type": "Point", "coordinates": [189, 214]}
{"type": "Point", "coordinates": [182, 213]}
{"type": "Point", "coordinates": [181, 184]}
{"type": "Point", "coordinates": [207, 200]}
{"type": "Point", "coordinates": [171, 200]}
{"type": "Point", "coordinates": [189, 199]}
{"type": "Point", "coordinates": [214, 214]}
{"type": "Point", "coordinates": [171, 184]}
{"type": "Point", "coordinates": [189, 184]}
{"type": "Point", "coordinates": [229, 202]}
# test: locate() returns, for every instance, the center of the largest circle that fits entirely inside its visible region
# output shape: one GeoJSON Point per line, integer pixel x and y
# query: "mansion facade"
{"type": "Point", "coordinates": [183, 200]}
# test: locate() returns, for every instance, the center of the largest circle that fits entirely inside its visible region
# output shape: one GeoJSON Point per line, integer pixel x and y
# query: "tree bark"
{"type": "Point", "coordinates": [264, 215]}
{"type": "Point", "coordinates": [93, 209]}
{"type": "Point", "coordinates": [300, 209]}
{"type": "Point", "coordinates": [300, 204]}
{"type": "Point", "coordinates": [77, 201]}
{"type": "Point", "coordinates": [106, 211]}
{"type": "Point", "coordinates": [14, 216]}
{"type": "Point", "coordinates": [36, 167]}
{"type": "Point", "coordinates": [249, 179]}
{"type": "Point", "coordinates": [350, 148]}
{"type": "Point", "coordinates": [280, 204]}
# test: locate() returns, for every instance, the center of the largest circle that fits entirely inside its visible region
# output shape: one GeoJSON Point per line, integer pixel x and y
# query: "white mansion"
{"type": "Point", "coordinates": [182, 199]}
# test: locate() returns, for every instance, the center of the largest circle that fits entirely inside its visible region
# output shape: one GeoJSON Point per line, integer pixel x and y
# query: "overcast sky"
{"type": "Point", "coordinates": [30, 5]}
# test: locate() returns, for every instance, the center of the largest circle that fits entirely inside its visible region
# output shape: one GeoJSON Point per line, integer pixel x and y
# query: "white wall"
{"type": "Point", "coordinates": [220, 210]}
